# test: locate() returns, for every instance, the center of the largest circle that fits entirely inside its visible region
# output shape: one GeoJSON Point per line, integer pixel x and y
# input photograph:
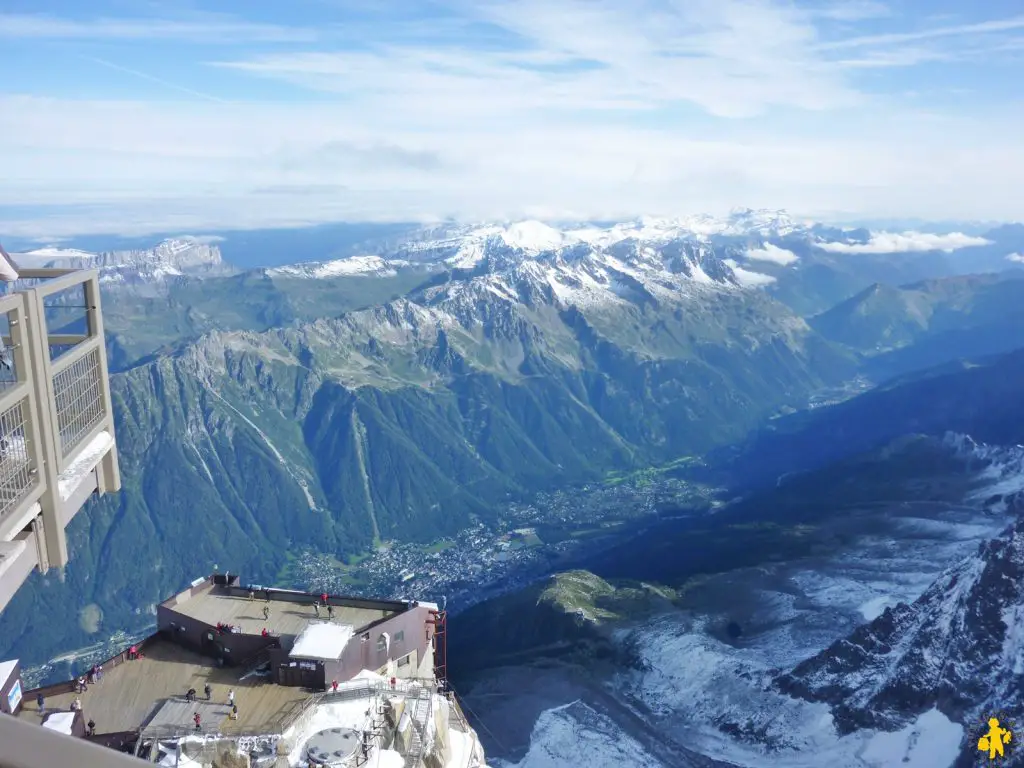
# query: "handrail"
{"type": "Point", "coordinates": [257, 659]}
{"type": "Point", "coordinates": [364, 690]}
{"type": "Point", "coordinates": [44, 273]}
{"type": "Point", "coordinates": [26, 745]}
{"type": "Point", "coordinates": [68, 686]}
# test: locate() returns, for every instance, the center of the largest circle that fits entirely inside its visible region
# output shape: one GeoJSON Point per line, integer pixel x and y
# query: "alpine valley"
{"type": "Point", "coordinates": [701, 491]}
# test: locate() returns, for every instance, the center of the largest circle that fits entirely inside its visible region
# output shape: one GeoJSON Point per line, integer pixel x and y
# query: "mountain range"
{"type": "Point", "coordinates": [866, 611]}
{"type": "Point", "coordinates": [410, 388]}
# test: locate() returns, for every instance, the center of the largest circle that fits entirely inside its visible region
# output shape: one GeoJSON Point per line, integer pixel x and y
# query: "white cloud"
{"type": "Point", "coordinates": [1016, 257]}
{"type": "Point", "coordinates": [733, 58]}
{"type": "Point", "coordinates": [774, 254]}
{"type": "Point", "coordinates": [957, 30]}
{"type": "Point", "coordinates": [854, 10]}
{"type": "Point", "coordinates": [605, 108]}
{"type": "Point", "coordinates": [748, 278]}
{"type": "Point", "coordinates": [208, 28]}
{"type": "Point", "coordinates": [907, 242]}
{"type": "Point", "coordinates": [200, 239]}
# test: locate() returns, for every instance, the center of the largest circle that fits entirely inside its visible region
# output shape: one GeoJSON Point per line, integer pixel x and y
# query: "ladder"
{"type": "Point", "coordinates": [419, 714]}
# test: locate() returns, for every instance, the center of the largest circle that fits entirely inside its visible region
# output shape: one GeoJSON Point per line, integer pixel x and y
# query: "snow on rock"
{"type": "Point", "coordinates": [955, 646]}
{"type": "Point", "coordinates": [653, 241]}
{"type": "Point", "coordinates": [172, 257]}
{"type": "Point", "coordinates": [369, 676]}
{"type": "Point", "coordinates": [51, 253]}
{"type": "Point", "coordinates": [1013, 645]}
{"type": "Point", "coordinates": [533, 236]}
{"type": "Point", "coordinates": [461, 749]}
{"type": "Point", "coordinates": [387, 758]}
{"type": "Point", "coordinates": [938, 637]}
{"type": "Point", "coordinates": [171, 760]}
{"type": "Point", "coordinates": [353, 265]}
{"type": "Point", "coordinates": [341, 714]}
{"type": "Point", "coordinates": [575, 735]}
{"type": "Point", "coordinates": [931, 741]}
{"type": "Point", "coordinates": [874, 607]}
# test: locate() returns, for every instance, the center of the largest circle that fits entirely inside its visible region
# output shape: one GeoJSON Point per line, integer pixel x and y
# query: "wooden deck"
{"type": "Point", "coordinates": [286, 618]}
{"type": "Point", "coordinates": [131, 694]}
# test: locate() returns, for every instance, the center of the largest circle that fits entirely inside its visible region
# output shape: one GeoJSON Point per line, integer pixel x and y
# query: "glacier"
{"type": "Point", "coordinates": [716, 696]}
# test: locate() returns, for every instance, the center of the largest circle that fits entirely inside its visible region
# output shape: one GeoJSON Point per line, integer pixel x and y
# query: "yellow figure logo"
{"type": "Point", "coordinates": [993, 741]}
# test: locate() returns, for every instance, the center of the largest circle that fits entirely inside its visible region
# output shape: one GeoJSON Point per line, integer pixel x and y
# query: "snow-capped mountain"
{"type": "Point", "coordinates": [464, 247]}
{"type": "Point", "coordinates": [919, 654]}
{"type": "Point", "coordinates": [752, 249]}
{"type": "Point", "coordinates": [367, 266]}
{"type": "Point", "coordinates": [533, 262]}
{"type": "Point", "coordinates": [958, 648]}
{"type": "Point", "coordinates": [173, 257]}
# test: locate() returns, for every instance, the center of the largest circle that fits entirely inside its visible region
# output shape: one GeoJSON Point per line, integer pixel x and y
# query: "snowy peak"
{"type": "Point", "coordinates": [533, 237]}
{"type": "Point", "coordinates": [959, 647]}
{"type": "Point", "coordinates": [173, 257]}
{"type": "Point", "coordinates": [763, 222]}
{"type": "Point", "coordinates": [366, 266]}
{"type": "Point", "coordinates": [583, 276]}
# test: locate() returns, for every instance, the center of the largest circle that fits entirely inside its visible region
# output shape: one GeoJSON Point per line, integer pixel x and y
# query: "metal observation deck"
{"type": "Point", "coordinates": [57, 443]}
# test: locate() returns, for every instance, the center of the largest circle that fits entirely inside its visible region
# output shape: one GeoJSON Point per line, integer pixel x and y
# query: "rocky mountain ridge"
{"type": "Point", "coordinates": [171, 258]}
{"type": "Point", "coordinates": [958, 648]}
{"type": "Point", "coordinates": [410, 418]}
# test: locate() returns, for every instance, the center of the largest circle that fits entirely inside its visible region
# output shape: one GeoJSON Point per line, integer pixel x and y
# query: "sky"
{"type": "Point", "coordinates": [129, 116]}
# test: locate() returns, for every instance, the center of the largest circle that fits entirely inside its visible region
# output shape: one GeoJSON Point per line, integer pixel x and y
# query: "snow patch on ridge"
{"type": "Point", "coordinates": [575, 735]}
{"type": "Point", "coordinates": [352, 265]}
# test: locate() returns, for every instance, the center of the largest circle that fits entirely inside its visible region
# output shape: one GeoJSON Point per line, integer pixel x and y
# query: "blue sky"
{"type": "Point", "coordinates": [127, 115]}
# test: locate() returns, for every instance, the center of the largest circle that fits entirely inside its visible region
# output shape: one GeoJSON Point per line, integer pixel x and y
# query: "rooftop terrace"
{"type": "Point", "coordinates": [289, 613]}
{"type": "Point", "coordinates": [133, 695]}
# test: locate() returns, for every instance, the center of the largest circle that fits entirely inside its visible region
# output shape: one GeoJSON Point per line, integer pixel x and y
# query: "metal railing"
{"type": "Point", "coordinates": [19, 438]}
{"type": "Point", "coordinates": [27, 745]}
{"type": "Point", "coordinates": [418, 698]}
{"type": "Point", "coordinates": [56, 421]}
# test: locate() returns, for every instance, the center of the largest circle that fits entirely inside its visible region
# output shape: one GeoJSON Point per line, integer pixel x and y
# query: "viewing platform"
{"type": "Point", "coordinates": [57, 444]}
{"type": "Point", "coordinates": [255, 676]}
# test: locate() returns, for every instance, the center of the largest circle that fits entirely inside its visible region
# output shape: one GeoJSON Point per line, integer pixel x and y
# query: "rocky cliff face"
{"type": "Point", "coordinates": [171, 258]}
{"type": "Point", "coordinates": [958, 648]}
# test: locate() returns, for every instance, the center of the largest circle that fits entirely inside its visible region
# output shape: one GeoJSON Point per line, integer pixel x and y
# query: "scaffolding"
{"type": "Point", "coordinates": [439, 623]}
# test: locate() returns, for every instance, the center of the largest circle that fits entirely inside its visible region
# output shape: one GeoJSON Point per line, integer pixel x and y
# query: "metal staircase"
{"type": "Point", "coordinates": [419, 713]}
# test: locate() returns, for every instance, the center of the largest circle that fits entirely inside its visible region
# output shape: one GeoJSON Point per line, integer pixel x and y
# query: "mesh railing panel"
{"type": "Point", "coordinates": [79, 400]}
{"type": "Point", "coordinates": [8, 365]}
{"type": "Point", "coordinates": [17, 470]}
